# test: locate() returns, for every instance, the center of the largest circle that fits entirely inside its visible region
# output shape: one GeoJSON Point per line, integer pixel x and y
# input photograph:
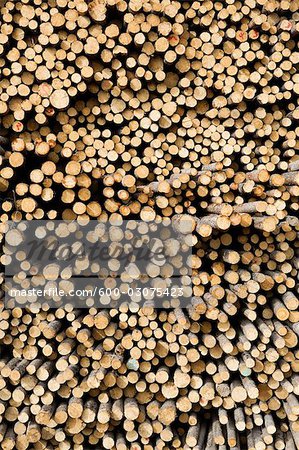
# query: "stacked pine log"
{"type": "Point", "coordinates": [149, 109]}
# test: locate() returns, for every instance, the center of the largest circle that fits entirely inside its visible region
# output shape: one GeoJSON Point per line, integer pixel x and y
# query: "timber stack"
{"type": "Point", "coordinates": [146, 110]}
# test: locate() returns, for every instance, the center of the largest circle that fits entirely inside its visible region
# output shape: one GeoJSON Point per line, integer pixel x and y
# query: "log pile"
{"type": "Point", "coordinates": [153, 109]}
